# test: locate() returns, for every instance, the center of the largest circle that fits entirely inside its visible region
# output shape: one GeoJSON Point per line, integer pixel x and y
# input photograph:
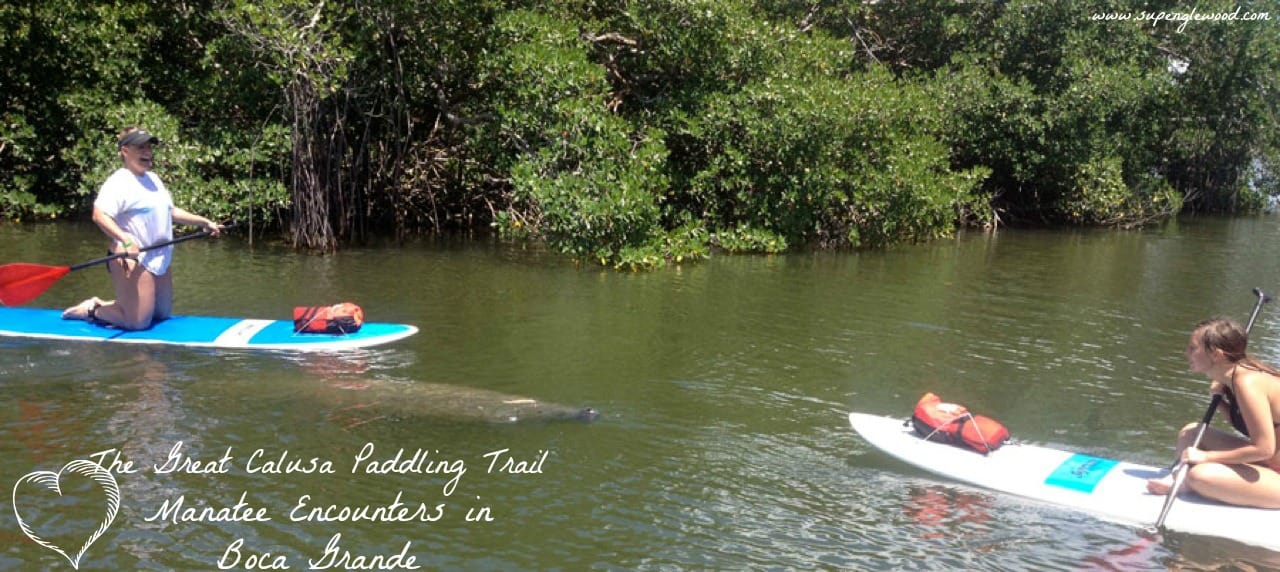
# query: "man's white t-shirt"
{"type": "Point", "coordinates": [142, 207]}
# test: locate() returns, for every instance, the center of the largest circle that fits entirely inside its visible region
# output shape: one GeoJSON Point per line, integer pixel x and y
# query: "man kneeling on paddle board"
{"type": "Point", "coordinates": [1231, 468]}
{"type": "Point", "coordinates": [135, 210]}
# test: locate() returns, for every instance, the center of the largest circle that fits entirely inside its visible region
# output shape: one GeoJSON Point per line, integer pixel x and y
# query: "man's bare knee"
{"type": "Point", "coordinates": [134, 325]}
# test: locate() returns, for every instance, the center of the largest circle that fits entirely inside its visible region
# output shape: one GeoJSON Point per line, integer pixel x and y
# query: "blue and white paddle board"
{"type": "Point", "coordinates": [198, 331]}
{"type": "Point", "coordinates": [1112, 490]}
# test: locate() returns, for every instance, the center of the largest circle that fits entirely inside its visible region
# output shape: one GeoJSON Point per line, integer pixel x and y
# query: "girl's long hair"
{"type": "Point", "coordinates": [1227, 335]}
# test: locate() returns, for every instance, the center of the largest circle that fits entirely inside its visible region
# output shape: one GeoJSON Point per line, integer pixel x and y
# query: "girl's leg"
{"type": "Point", "coordinates": [135, 303]}
{"type": "Point", "coordinates": [1214, 439]}
{"type": "Point", "coordinates": [1245, 485]}
{"type": "Point", "coordinates": [164, 297]}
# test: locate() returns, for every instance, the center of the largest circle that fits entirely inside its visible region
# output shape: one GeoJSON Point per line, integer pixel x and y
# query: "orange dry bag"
{"type": "Point", "coordinates": [954, 424]}
{"type": "Point", "coordinates": [344, 318]}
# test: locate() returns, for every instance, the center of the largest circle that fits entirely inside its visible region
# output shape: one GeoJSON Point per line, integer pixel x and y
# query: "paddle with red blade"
{"type": "Point", "coordinates": [22, 282]}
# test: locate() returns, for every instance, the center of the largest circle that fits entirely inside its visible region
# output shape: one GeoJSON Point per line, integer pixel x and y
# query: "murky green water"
{"type": "Point", "coordinates": [723, 386]}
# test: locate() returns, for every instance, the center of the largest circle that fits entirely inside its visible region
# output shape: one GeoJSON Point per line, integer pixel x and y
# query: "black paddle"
{"type": "Point", "coordinates": [1180, 469]}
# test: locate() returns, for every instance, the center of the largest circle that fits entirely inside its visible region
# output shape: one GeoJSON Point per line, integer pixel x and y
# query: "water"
{"type": "Point", "coordinates": [724, 387]}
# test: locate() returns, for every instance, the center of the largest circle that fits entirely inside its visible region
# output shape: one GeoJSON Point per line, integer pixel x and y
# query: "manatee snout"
{"type": "Point", "coordinates": [587, 415]}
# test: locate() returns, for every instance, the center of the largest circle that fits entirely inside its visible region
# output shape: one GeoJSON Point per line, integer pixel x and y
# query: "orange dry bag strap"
{"type": "Point", "coordinates": [303, 316]}
{"type": "Point", "coordinates": [343, 318]}
{"type": "Point", "coordinates": [934, 419]}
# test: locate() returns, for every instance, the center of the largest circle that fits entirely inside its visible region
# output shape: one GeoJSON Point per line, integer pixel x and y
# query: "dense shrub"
{"type": "Point", "coordinates": [638, 133]}
{"type": "Point", "coordinates": [839, 161]}
{"type": "Point", "coordinates": [583, 179]}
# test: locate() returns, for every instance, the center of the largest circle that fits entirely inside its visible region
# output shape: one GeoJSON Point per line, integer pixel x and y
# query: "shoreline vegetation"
{"type": "Point", "coordinates": [636, 134]}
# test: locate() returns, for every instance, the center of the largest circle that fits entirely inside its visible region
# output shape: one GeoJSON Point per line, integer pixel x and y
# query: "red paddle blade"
{"type": "Point", "coordinates": [21, 283]}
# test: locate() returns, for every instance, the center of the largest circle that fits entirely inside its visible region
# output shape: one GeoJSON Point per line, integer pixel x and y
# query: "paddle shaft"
{"type": "Point", "coordinates": [1180, 469]}
{"type": "Point", "coordinates": [119, 255]}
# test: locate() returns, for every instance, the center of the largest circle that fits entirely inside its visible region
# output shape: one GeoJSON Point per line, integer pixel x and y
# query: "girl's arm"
{"type": "Point", "coordinates": [1255, 406]}
{"type": "Point", "coordinates": [181, 216]}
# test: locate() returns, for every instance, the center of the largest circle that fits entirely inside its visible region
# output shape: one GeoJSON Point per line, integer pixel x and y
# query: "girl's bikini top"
{"type": "Point", "coordinates": [1237, 417]}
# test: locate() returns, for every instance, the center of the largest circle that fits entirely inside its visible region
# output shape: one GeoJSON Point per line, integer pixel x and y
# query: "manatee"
{"type": "Point", "coordinates": [375, 399]}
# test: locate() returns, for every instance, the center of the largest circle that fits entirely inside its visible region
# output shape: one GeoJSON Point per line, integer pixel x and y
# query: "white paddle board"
{"type": "Point", "coordinates": [1110, 489]}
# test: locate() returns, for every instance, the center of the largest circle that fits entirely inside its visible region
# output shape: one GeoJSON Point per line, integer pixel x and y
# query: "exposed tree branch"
{"type": "Point", "coordinates": [611, 38]}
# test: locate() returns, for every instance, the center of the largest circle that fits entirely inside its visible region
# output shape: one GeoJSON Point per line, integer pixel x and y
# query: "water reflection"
{"type": "Point", "coordinates": [942, 511]}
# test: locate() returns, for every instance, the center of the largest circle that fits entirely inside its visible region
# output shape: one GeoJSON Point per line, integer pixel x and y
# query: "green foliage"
{"type": "Point", "coordinates": [585, 178]}
{"type": "Point", "coordinates": [296, 41]}
{"type": "Point", "coordinates": [1073, 127]}
{"type": "Point", "coordinates": [1099, 195]}
{"type": "Point", "coordinates": [1264, 180]}
{"type": "Point", "coordinates": [18, 145]}
{"type": "Point", "coordinates": [636, 134]}
{"type": "Point", "coordinates": [38, 41]}
{"type": "Point", "coordinates": [689, 242]}
{"type": "Point", "coordinates": [837, 161]}
{"type": "Point", "coordinates": [907, 37]}
{"type": "Point", "coordinates": [696, 47]}
{"type": "Point", "coordinates": [774, 155]}
{"type": "Point", "coordinates": [747, 239]}
{"type": "Point", "coordinates": [1227, 94]}
{"type": "Point", "coordinates": [133, 61]}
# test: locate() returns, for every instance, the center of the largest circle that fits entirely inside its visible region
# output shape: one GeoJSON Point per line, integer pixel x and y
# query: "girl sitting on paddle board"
{"type": "Point", "coordinates": [135, 210]}
{"type": "Point", "coordinates": [1231, 468]}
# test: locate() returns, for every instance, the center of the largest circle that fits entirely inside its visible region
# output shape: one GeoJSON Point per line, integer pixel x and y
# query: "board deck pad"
{"type": "Point", "coordinates": [1081, 472]}
{"type": "Point", "coordinates": [1109, 489]}
{"type": "Point", "coordinates": [198, 331]}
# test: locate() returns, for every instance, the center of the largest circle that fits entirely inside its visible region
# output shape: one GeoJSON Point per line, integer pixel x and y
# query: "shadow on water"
{"type": "Point", "coordinates": [343, 384]}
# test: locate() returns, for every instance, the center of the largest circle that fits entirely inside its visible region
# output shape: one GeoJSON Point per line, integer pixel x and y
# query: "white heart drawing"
{"type": "Point", "coordinates": [50, 481]}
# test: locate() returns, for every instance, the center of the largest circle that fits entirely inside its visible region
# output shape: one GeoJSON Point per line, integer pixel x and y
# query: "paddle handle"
{"type": "Point", "coordinates": [119, 255]}
{"type": "Point", "coordinates": [1263, 298]}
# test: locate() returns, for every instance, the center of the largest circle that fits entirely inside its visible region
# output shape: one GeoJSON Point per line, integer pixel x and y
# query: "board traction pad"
{"type": "Point", "coordinates": [1080, 472]}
